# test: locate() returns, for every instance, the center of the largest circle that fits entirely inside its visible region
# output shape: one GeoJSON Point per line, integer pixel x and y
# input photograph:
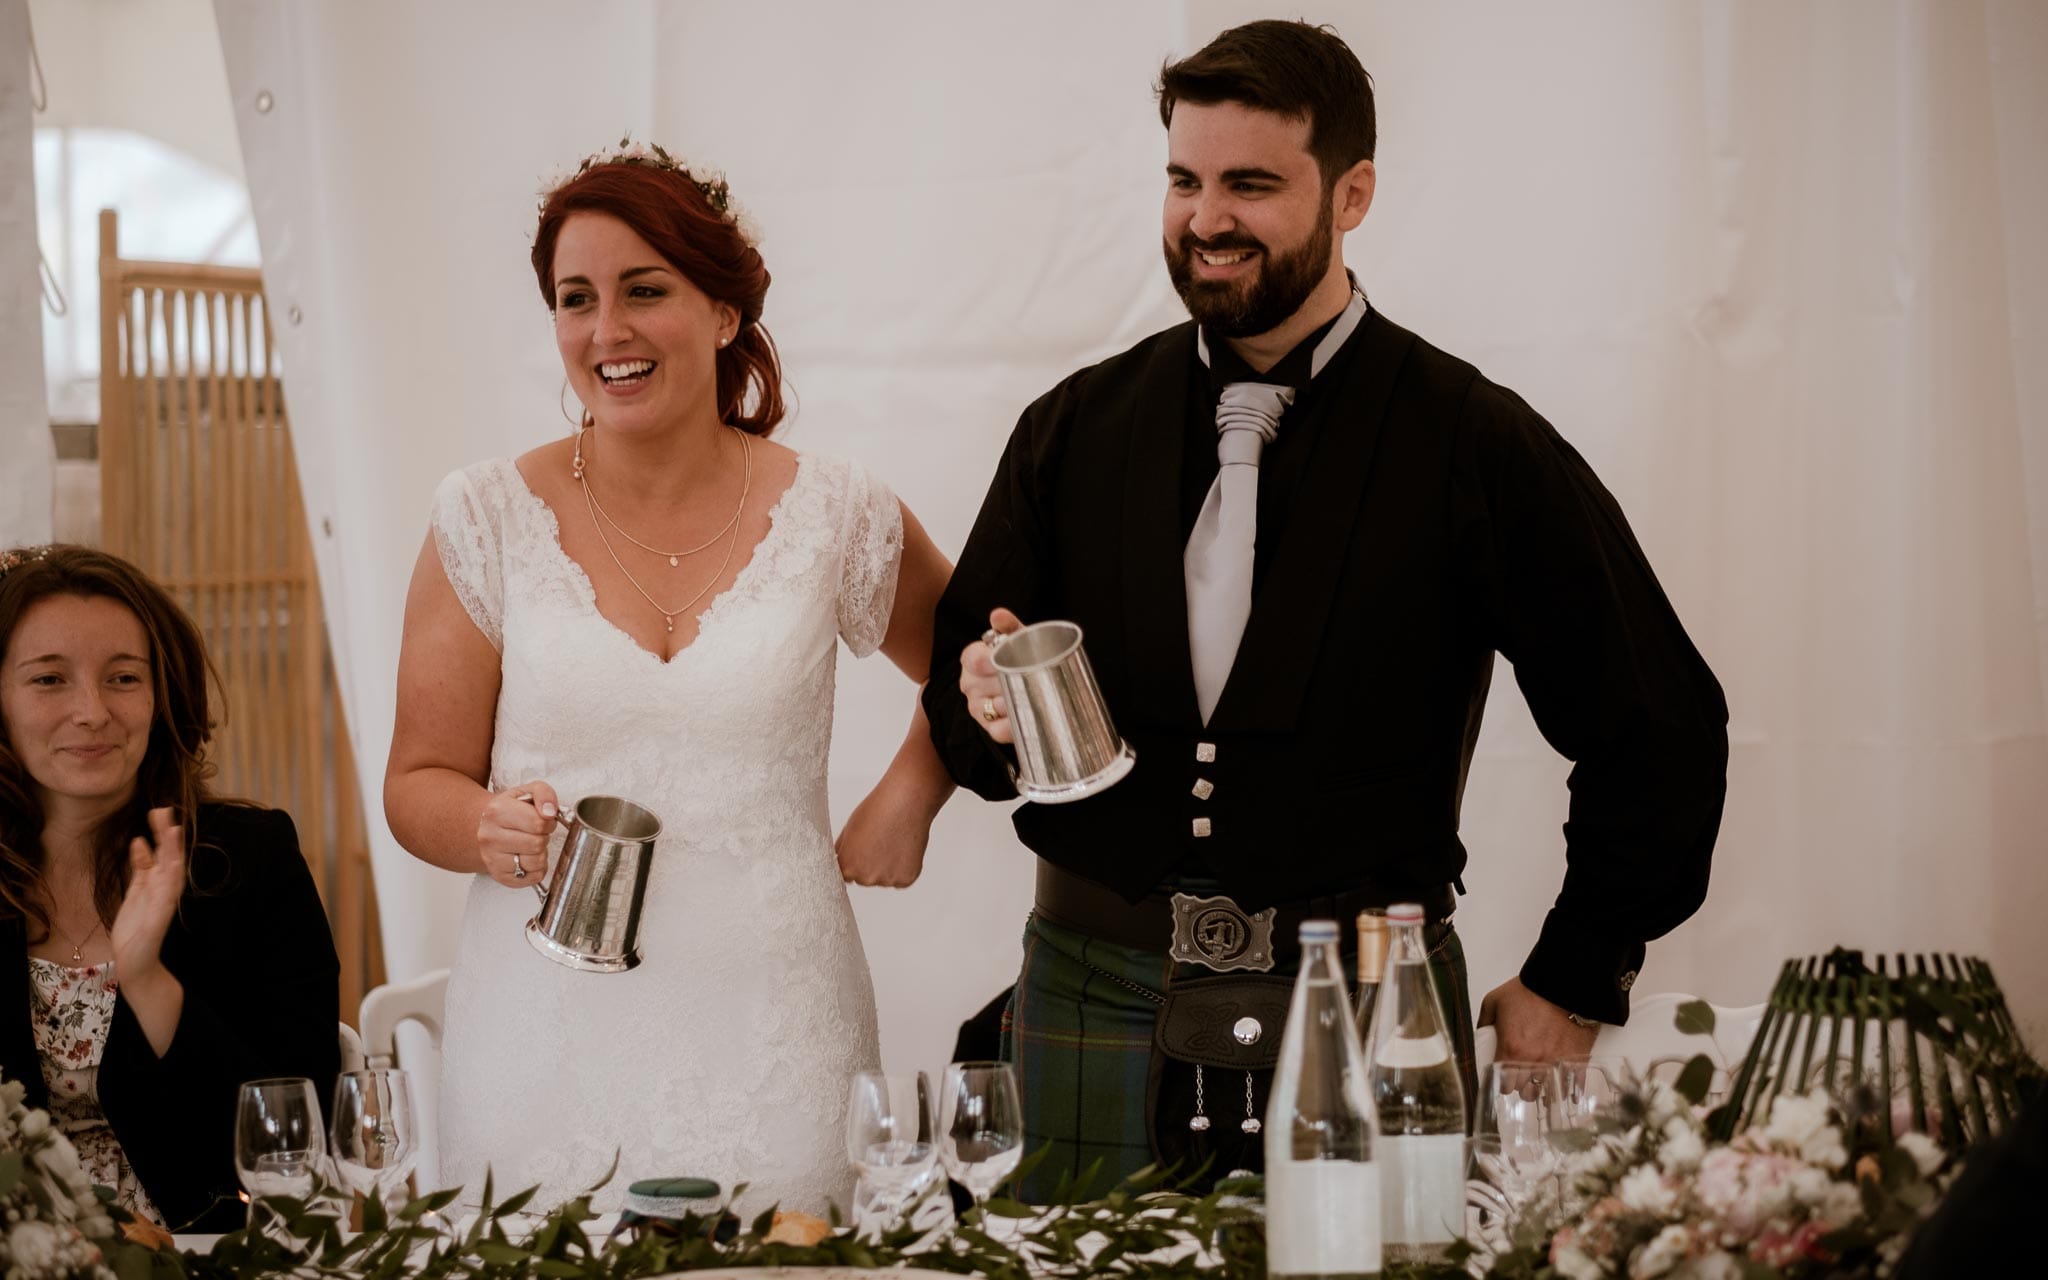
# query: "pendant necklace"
{"type": "Point", "coordinates": [599, 519]}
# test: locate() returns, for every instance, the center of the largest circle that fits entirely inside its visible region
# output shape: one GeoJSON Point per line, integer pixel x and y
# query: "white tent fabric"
{"type": "Point", "coordinates": [1772, 269]}
{"type": "Point", "coordinates": [27, 455]}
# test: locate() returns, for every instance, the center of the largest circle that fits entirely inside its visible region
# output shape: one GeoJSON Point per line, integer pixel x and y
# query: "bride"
{"type": "Point", "coordinates": [650, 608]}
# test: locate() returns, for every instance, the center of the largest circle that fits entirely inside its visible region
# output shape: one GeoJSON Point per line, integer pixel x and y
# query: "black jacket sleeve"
{"type": "Point", "coordinates": [1564, 592]}
{"type": "Point", "coordinates": [1008, 562]}
{"type": "Point", "coordinates": [252, 950]}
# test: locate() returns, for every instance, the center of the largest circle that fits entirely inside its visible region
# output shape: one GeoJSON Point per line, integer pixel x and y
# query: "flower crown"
{"type": "Point", "coordinates": [717, 192]}
{"type": "Point", "coordinates": [10, 560]}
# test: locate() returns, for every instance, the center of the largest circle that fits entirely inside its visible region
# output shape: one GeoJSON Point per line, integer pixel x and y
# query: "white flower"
{"type": "Point", "coordinates": [1825, 1149]}
{"type": "Point", "coordinates": [1682, 1148]}
{"type": "Point", "coordinates": [1801, 1123]}
{"type": "Point", "coordinates": [1661, 1254]}
{"type": "Point", "coordinates": [1810, 1185]}
{"type": "Point", "coordinates": [1595, 1160]}
{"type": "Point", "coordinates": [36, 1247]}
{"type": "Point", "coordinates": [1926, 1153]}
{"type": "Point", "coordinates": [34, 1125]}
{"type": "Point", "coordinates": [1574, 1263]}
{"type": "Point", "coordinates": [1666, 1103]}
{"type": "Point", "coordinates": [1795, 1117]}
{"type": "Point", "coordinates": [1713, 1266]}
{"type": "Point", "coordinates": [1646, 1191]}
{"type": "Point", "coordinates": [1842, 1205]}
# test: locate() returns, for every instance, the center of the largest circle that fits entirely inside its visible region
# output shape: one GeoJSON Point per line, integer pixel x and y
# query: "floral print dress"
{"type": "Point", "coordinates": [72, 1010]}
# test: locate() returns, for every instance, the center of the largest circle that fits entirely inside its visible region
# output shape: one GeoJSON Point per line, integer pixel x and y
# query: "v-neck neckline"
{"type": "Point", "coordinates": [704, 616]}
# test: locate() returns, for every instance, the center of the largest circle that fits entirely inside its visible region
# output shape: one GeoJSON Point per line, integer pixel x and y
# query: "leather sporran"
{"type": "Point", "coordinates": [1215, 1044]}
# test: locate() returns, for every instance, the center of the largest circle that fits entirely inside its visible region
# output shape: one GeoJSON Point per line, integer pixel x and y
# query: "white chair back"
{"type": "Point", "coordinates": [420, 1000]}
{"type": "Point", "coordinates": [1652, 1033]}
{"type": "Point", "coordinates": [351, 1049]}
{"type": "Point", "coordinates": [384, 1010]}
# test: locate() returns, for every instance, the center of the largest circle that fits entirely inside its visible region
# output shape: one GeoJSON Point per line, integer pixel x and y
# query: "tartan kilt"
{"type": "Point", "coordinates": [1081, 1030]}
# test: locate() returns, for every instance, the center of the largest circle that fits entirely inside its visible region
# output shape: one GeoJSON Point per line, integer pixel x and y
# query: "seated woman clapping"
{"type": "Point", "coordinates": [169, 945]}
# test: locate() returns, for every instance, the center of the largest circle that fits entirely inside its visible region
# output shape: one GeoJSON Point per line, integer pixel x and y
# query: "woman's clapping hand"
{"type": "Point", "coordinates": [156, 879]}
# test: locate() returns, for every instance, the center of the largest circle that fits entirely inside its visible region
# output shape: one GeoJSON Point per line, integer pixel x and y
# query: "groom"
{"type": "Point", "coordinates": [1296, 535]}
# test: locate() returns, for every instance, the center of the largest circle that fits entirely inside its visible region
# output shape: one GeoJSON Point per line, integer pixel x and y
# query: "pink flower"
{"type": "Point", "coordinates": [1744, 1190]}
{"type": "Point", "coordinates": [1780, 1244]}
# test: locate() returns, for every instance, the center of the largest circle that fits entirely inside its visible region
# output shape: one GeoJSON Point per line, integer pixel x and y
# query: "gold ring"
{"type": "Point", "coordinates": [988, 710]}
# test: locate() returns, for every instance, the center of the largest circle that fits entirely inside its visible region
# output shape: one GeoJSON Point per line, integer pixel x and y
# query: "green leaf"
{"type": "Point", "coordinates": [1696, 1018]}
{"type": "Point", "coordinates": [515, 1202]}
{"type": "Point", "coordinates": [10, 1170]}
{"type": "Point", "coordinates": [500, 1255]}
{"type": "Point", "coordinates": [544, 1239]}
{"type": "Point", "coordinates": [1697, 1077]}
{"type": "Point", "coordinates": [132, 1264]}
{"type": "Point", "coordinates": [557, 1268]}
{"type": "Point", "coordinates": [1004, 1207]}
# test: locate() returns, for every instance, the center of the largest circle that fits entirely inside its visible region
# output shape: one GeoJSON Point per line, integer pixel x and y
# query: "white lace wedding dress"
{"type": "Point", "coordinates": [726, 1053]}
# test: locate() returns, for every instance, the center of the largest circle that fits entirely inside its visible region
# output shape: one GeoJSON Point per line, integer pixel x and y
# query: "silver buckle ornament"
{"type": "Point", "coordinates": [1221, 935]}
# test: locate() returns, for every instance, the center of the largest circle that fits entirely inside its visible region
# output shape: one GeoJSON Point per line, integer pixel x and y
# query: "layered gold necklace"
{"type": "Point", "coordinates": [599, 518]}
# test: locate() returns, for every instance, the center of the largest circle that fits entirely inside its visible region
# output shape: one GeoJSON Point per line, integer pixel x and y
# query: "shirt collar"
{"type": "Point", "coordinates": [1295, 369]}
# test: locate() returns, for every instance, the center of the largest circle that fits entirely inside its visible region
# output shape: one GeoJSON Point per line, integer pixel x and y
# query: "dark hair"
{"type": "Point", "coordinates": [175, 769]}
{"type": "Point", "coordinates": [666, 208]}
{"type": "Point", "coordinates": [1292, 69]}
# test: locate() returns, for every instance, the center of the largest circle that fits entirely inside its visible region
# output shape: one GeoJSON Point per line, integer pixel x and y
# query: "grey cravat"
{"type": "Point", "coordinates": [1218, 560]}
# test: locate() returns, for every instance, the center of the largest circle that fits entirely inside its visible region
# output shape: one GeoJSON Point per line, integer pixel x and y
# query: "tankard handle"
{"type": "Point", "coordinates": [540, 889]}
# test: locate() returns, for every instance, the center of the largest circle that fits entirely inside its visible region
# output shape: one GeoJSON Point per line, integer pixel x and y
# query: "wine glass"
{"type": "Point", "coordinates": [375, 1134]}
{"type": "Point", "coordinates": [1511, 1142]}
{"type": "Point", "coordinates": [981, 1126]}
{"type": "Point", "coordinates": [1589, 1091]}
{"type": "Point", "coordinates": [890, 1138]}
{"type": "Point", "coordinates": [279, 1148]}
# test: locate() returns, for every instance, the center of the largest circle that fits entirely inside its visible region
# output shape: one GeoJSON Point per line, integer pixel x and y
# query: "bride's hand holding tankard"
{"type": "Point", "coordinates": [512, 834]}
{"type": "Point", "coordinates": [978, 682]}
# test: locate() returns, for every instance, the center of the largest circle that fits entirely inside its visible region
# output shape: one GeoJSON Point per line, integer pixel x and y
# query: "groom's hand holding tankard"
{"type": "Point", "coordinates": [979, 683]}
{"type": "Point", "coordinates": [512, 834]}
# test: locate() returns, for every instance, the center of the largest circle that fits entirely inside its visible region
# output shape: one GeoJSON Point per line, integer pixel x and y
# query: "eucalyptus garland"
{"type": "Point", "coordinates": [1140, 1230]}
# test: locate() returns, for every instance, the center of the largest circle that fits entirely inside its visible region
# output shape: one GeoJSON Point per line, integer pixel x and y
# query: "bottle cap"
{"type": "Point", "coordinates": [1404, 913]}
{"type": "Point", "coordinates": [1373, 944]}
{"type": "Point", "coordinates": [1318, 931]}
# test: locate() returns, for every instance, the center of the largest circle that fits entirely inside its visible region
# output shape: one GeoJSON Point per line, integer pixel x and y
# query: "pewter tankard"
{"type": "Point", "coordinates": [590, 913]}
{"type": "Point", "coordinates": [1067, 748]}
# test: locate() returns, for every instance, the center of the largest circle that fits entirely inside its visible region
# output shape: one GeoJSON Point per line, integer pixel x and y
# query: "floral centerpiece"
{"type": "Point", "coordinates": [1654, 1196]}
{"type": "Point", "coordinates": [1830, 1183]}
{"type": "Point", "coordinates": [56, 1226]}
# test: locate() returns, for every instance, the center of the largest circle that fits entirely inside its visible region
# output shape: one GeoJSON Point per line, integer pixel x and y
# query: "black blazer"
{"type": "Point", "coordinates": [1441, 521]}
{"type": "Point", "coordinates": [251, 946]}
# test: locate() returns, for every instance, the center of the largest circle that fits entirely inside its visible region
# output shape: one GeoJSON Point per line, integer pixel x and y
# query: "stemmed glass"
{"type": "Point", "coordinates": [279, 1147]}
{"type": "Point", "coordinates": [1511, 1142]}
{"type": "Point", "coordinates": [1588, 1091]}
{"type": "Point", "coordinates": [375, 1132]}
{"type": "Point", "coordinates": [981, 1126]}
{"type": "Point", "coordinates": [890, 1138]}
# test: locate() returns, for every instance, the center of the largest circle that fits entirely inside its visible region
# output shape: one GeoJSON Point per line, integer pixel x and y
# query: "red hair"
{"type": "Point", "coordinates": [666, 208]}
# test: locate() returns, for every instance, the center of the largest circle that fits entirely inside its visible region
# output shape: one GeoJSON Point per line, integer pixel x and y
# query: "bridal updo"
{"type": "Point", "coordinates": [673, 211]}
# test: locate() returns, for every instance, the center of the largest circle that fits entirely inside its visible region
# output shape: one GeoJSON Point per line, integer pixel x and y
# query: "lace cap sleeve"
{"type": "Point", "coordinates": [873, 552]}
{"type": "Point", "coordinates": [467, 532]}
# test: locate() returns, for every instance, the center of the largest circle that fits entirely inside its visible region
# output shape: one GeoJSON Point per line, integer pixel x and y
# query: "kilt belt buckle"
{"type": "Point", "coordinates": [1219, 934]}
